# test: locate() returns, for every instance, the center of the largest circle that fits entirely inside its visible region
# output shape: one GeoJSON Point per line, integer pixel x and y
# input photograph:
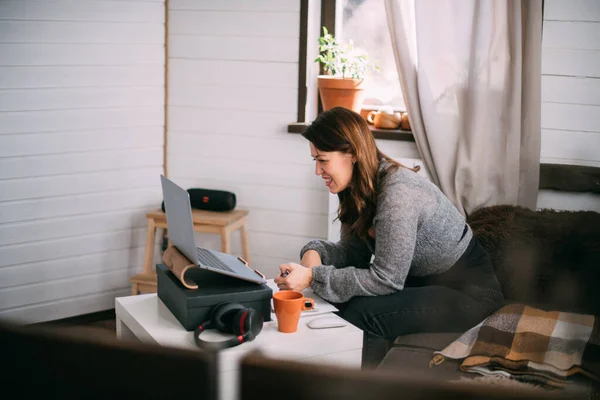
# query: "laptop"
{"type": "Point", "coordinates": [181, 234]}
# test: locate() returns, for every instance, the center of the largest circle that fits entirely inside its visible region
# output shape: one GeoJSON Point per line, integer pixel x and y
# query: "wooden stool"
{"type": "Point", "coordinates": [222, 223]}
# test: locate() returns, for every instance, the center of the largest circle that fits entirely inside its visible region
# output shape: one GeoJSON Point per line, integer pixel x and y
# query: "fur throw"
{"type": "Point", "coordinates": [543, 258]}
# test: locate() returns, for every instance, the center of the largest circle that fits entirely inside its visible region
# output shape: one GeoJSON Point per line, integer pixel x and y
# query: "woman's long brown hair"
{"type": "Point", "coordinates": [343, 130]}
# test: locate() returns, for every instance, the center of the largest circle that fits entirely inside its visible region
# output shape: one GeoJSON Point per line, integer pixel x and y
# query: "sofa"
{"type": "Point", "coordinates": [546, 259]}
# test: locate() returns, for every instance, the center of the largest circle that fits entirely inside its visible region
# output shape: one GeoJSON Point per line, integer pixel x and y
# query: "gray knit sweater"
{"type": "Point", "coordinates": [417, 232]}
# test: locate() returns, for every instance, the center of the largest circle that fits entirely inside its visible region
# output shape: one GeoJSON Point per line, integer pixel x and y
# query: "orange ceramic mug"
{"type": "Point", "coordinates": [288, 306]}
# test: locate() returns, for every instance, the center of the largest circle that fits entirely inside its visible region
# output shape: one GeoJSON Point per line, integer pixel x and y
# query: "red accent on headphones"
{"type": "Point", "coordinates": [242, 321]}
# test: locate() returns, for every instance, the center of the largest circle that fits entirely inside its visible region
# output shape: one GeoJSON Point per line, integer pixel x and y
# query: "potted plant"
{"type": "Point", "coordinates": [346, 69]}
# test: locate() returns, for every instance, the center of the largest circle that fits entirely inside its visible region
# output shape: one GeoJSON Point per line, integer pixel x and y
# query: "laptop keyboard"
{"type": "Point", "coordinates": [207, 258]}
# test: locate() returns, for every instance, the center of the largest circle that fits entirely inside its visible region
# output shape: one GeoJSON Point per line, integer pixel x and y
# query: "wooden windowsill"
{"type": "Point", "coordinates": [385, 134]}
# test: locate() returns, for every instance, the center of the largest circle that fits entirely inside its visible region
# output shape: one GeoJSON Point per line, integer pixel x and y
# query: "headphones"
{"type": "Point", "coordinates": [234, 318]}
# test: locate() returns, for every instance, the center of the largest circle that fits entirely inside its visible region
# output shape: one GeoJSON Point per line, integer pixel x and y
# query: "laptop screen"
{"type": "Point", "coordinates": [179, 218]}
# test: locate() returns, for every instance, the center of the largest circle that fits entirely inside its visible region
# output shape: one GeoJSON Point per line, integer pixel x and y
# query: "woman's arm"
{"type": "Point", "coordinates": [350, 250]}
{"type": "Point", "coordinates": [311, 259]}
{"type": "Point", "coordinates": [396, 224]}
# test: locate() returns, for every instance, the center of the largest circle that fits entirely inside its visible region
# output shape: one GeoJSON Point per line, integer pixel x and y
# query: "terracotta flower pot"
{"type": "Point", "coordinates": [335, 91]}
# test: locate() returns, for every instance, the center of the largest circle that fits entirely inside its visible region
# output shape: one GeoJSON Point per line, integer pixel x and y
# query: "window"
{"type": "Point", "coordinates": [365, 23]}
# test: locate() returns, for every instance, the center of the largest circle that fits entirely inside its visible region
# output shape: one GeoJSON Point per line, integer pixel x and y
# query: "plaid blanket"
{"type": "Point", "coordinates": [529, 344]}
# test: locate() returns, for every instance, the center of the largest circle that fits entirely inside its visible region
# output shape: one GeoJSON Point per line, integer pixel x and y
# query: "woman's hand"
{"type": "Point", "coordinates": [311, 259]}
{"type": "Point", "coordinates": [298, 277]}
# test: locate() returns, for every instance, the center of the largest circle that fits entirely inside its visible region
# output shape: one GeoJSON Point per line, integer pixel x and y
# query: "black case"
{"type": "Point", "coordinates": [193, 307]}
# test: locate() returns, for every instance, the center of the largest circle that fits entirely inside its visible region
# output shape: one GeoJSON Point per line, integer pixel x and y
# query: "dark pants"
{"type": "Point", "coordinates": [453, 301]}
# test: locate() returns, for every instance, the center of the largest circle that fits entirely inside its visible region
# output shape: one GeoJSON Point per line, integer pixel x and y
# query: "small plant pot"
{"type": "Point", "coordinates": [347, 92]}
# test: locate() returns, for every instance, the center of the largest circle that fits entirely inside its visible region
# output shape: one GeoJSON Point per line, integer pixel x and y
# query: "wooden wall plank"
{"type": "Point", "coordinates": [83, 119]}
{"type": "Point", "coordinates": [234, 23]}
{"type": "Point", "coordinates": [64, 307]}
{"type": "Point", "coordinates": [266, 49]}
{"type": "Point", "coordinates": [60, 142]}
{"type": "Point", "coordinates": [571, 90]}
{"type": "Point", "coordinates": [275, 245]}
{"type": "Point", "coordinates": [28, 54]}
{"type": "Point", "coordinates": [69, 247]}
{"type": "Point", "coordinates": [23, 77]}
{"type": "Point", "coordinates": [572, 10]}
{"type": "Point", "coordinates": [76, 286]}
{"type": "Point", "coordinates": [52, 207]}
{"type": "Point", "coordinates": [280, 222]}
{"type": "Point", "coordinates": [80, 11]}
{"type": "Point", "coordinates": [72, 226]}
{"type": "Point", "coordinates": [570, 145]}
{"type": "Point", "coordinates": [76, 98]}
{"type": "Point", "coordinates": [184, 72]}
{"type": "Point", "coordinates": [571, 35]}
{"type": "Point", "coordinates": [62, 185]}
{"type": "Point", "coordinates": [246, 98]}
{"type": "Point", "coordinates": [49, 270]}
{"type": "Point", "coordinates": [400, 150]}
{"type": "Point", "coordinates": [571, 117]}
{"type": "Point", "coordinates": [569, 62]}
{"type": "Point", "coordinates": [287, 149]}
{"type": "Point", "coordinates": [79, 32]}
{"type": "Point", "coordinates": [227, 121]}
{"type": "Point", "coordinates": [235, 5]}
{"type": "Point", "coordinates": [73, 163]}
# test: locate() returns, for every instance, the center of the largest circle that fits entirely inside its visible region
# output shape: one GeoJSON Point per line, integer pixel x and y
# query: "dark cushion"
{"type": "Point", "coordinates": [427, 341]}
{"type": "Point", "coordinates": [414, 361]}
{"type": "Point", "coordinates": [545, 257]}
{"type": "Point", "coordinates": [411, 355]}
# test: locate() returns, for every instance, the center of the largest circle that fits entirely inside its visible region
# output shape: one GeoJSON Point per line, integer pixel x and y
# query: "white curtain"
{"type": "Point", "coordinates": [470, 72]}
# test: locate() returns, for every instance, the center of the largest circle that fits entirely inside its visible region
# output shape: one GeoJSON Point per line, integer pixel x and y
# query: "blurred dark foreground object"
{"type": "Point", "coordinates": [548, 259]}
{"type": "Point", "coordinates": [59, 364]}
{"type": "Point", "coordinates": [210, 200]}
{"type": "Point", "coordinates": [274, 380]}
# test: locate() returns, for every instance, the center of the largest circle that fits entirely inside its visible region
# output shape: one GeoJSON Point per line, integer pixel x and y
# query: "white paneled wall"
{"type": "Point", "coordinates": [81, 150]}
{"type": "Point", "coordinates": [233, 89]}
{"type": "Point", "coordinates": [571, 94]}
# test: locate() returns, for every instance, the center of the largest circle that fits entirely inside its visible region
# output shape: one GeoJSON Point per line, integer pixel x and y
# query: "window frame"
{"type": "Point", "coordinates": [329, 12]}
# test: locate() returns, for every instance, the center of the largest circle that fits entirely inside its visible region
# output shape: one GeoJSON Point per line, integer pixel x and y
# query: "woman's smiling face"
{"type": "Point", "coordinates": [334, 167]}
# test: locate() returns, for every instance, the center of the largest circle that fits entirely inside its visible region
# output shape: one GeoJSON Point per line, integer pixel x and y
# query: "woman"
{"type": "Point", "coordinates": [428, 274]}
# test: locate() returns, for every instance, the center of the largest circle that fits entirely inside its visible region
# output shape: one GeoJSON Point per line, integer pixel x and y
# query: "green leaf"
{"type": "Point", "coordinates": [342, 58]}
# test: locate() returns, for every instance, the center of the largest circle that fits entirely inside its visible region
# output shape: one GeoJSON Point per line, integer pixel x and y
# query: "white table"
{"type": "Point", "coordinates": [146, 318]}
